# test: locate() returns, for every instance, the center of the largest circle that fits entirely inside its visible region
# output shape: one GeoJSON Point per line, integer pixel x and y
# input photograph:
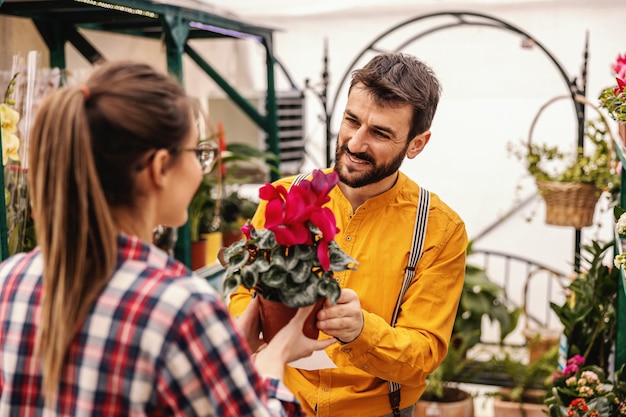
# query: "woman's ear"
{"type": "Point", "coordinates": [417, 145]}
{"type": "Point", "coordinates": [158, 168]}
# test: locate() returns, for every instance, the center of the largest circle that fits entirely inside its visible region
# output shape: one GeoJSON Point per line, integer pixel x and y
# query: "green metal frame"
{"type": "Point", "coordinates": [176, 23]}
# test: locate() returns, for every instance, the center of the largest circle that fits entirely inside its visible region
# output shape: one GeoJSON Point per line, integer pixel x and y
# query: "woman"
{"type": "Point", "coordinates": [97, 321]}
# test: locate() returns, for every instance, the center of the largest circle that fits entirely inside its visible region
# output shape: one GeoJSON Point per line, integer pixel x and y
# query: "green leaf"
{"type": "Point", "coordinates": [339, 260]}
{"type": "Point", "coordinates": [329, 289]}
{"type": "Point", "coordinates": [275, 277]}
{"type": "Point", "coordinates": [301, 296]}
{"type": "Point", "coordinates": [301, 272]}
{"type": "Point", "coordinates": [617, 212]}
{"type": "Point", "coordinates": [231, 283]}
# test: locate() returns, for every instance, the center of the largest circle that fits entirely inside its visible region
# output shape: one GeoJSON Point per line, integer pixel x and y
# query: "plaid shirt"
{"type": "Point", "coordinates": [158, 341]}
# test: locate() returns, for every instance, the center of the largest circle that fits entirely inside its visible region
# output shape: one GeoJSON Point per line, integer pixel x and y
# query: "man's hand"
{"type": "Point", "coordinates": [344, 320]}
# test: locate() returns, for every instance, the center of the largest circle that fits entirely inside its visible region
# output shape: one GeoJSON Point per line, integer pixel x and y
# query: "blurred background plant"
{"type": "Point", "coordinates": [589, 313]}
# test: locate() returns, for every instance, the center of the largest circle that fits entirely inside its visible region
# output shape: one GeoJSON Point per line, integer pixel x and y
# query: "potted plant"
{"type": "Point", "coordinates": [290, 263]}
{"type": "Point", "coordinates": [526, 386]}
{"type": "Point", "coordinates": [442, 396]}
{"type": "Point", "coordinates": [581, 390]}
{"type": "Point", "coordinates": [480, 298]}
{"type": "Point", "coordinates": [589, 313]}
{"type": "Point", "coordinates": [235, 211]}
{"type": "Point", "coordinates": [572, 182]}
{"type": "Point", "coordinates": [613, 99]}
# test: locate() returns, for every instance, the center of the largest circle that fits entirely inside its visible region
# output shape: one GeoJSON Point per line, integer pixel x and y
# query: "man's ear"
{"type": "Point", "coordinates": [158, 168]}
{"type": "Point", "coordinates": [417, 145]}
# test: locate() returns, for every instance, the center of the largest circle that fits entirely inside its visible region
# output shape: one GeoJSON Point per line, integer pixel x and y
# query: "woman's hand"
{"type": "Point", "coordinates": [289, 344]}
{"type": "Point", "coordinates": [250, 325]}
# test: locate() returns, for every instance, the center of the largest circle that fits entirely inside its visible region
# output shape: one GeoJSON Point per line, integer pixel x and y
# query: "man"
{"type": "Point", "coordinates": [391, 104]}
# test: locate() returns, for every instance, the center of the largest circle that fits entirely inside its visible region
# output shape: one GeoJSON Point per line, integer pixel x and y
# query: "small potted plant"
{"type": "Point", "coordinates": [526, 384]}
{"type": "Point", "coordinates": [291, 262]}
{"type": "Point", "coordinates": [235, 211]}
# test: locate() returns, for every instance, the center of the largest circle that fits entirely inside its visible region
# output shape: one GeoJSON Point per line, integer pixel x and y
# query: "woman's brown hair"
{"type": "Point", "coordinates": [87, 144]}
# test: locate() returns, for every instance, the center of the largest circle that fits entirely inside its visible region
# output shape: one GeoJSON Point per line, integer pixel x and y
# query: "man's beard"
{"type": "Point", "coordinates": [374, 175]}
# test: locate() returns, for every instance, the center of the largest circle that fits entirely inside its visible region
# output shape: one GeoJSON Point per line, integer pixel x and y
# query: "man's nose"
{"type": "Point", "coordinates": [359, 140]}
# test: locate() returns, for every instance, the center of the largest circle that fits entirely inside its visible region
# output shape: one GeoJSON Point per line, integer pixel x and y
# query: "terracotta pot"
{"type": "Point", "coordinates": [198, 254]}
{"type": "Point", "coordinates": [503, 408]}
{"type": "Point", "coordinates": [462, 406]}
{"type": "Point", "coordinates": [231, 236]}
{"type": "Point", "coordinates": [621, 128]}
{"type": "Point", "coordinates": [275, 316]}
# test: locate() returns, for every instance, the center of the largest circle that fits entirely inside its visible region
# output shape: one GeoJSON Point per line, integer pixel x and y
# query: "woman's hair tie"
{"type": "Point", "coordinates": [85, 91]}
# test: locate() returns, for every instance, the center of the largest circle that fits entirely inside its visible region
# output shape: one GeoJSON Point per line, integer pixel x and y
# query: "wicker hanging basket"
{"type": "Point", "coordinates": [569, 203]}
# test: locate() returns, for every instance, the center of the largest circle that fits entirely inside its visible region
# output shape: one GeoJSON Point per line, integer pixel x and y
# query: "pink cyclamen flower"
{"type": "Point", "coordinates": [288, 214]}
{"type": "Point", "coordinates": [620, 66]}
{"type": "Point", "coordinates": [246, 229]}
{"type": "Point", "coordinates": [621, 87]}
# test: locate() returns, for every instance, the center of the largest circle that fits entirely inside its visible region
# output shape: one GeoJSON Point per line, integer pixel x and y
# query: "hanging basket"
{"type": "Point", "coordinates": [570, 203]}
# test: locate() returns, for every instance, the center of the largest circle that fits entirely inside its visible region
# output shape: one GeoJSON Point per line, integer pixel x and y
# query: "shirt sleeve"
{"type": "Point", "coordinates": [207, 370]}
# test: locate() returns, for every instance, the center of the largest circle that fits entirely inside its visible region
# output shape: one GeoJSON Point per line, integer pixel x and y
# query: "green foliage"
{"type": "Point", "coordinates": [525, 376]}
{"type": "Point", "coordinates": [235, 210]}
{"type": "Point", "coordinates": [589, 314]}
{"type": "Point", "coordinates": [615, 104]}
{"type": "Point", "coordinates": [291, 275]}
{"type": "Point", "coordinates": [585, 391]}
{"type": "Point", "coordinates": [548, 163]}
{"type": "Point", "coordinates": [482, 298]}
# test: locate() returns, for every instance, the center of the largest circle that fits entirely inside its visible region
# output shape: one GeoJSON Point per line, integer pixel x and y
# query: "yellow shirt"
{"type": "Point", "coordinates": [378, 235]}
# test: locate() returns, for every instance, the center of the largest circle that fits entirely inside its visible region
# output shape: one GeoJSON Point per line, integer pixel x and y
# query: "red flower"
{"type": "Point", "coordinates": [577, 404]}
{"type": "Point", "coordinates": [290, 214]}
{"type": "Point", "coordinates": [620, 66]}
{"type": "Point", "coordinates": [246, 229]}
{"type": "Point", "coordinates": [621, 87]}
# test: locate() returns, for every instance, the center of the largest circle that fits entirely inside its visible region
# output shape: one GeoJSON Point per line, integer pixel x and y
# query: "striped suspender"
{"type": "Point", "coordinates": [417, 245]}
{"type": "Point", "coordinates": [299, 178]}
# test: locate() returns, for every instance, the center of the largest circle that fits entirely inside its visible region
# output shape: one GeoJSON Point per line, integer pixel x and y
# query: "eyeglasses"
{"type": "Point", "coordinates": [206, 152]}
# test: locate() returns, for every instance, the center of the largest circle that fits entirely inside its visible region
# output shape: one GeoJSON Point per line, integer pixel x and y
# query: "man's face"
{"type": "Point", "coordinates": [372, 140]}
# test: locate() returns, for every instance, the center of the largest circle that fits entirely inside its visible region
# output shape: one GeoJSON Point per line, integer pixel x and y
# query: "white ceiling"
{"type": "Point", "coordinates": [284, 8]}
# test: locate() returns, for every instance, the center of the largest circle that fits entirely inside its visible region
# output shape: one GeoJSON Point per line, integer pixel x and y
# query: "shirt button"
{"type": "Point", "coordinates": [325, 389]}
{"type": "Point", "coordinates": [348, 238]}
{"type": "Point", "coordinates": [364, 366]}
{"type": "Point", "coordinates": [347, 350]}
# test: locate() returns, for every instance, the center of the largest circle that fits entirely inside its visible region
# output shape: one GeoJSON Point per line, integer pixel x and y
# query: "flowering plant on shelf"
{"type": "Point", "coordinates": [294, 258]}
{"type": "Point", "coordinates": [584, 391]}
{"type": "Point", "coordinates": [9, 119]}
{"type": "Point", "coordinates": [20, 227]}
{"type": "Point", "coordinates": [613, 98]}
